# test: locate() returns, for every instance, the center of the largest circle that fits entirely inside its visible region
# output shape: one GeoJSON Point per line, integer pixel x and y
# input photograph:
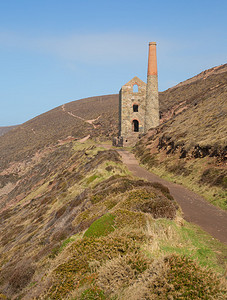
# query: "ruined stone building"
{"type": "Point", "coordinates": [138, 104]}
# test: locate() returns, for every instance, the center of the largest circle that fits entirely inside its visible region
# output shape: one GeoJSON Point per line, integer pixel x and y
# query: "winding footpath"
{"type": "Point", "coordinates": [195, 209]}
{"type": "Point", "coordinates": [78, 117]}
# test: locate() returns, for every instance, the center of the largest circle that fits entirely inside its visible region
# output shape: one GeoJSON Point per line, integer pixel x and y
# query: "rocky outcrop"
{"type": "Point", "coordinates": [197, 151]}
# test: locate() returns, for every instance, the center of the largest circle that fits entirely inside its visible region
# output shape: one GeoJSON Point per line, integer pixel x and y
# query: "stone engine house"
{"type": "Point", "coordinates": [132, 106]}
{"type": "Point", "coordinates": [138, 104]}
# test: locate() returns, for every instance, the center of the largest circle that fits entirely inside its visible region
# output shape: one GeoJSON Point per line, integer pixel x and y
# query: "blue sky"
{"type": "Point", "coordinates": [53, 52]}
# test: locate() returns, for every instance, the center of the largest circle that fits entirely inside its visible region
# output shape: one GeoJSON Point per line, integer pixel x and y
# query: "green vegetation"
{"type": "Point", "coordinates": [91, 178]}
{"type": "Point", "coordinates": [57, 250]}
{"type": "Point", "coordinates": [181, 278]}
{"type": "Point", "coordinates": [94, 232]}
{"type": "Point", "coordinates": [200, 175]}
{"type": "Point", "coordinates": [215, 194]}
{"type": "Point", "coordinates": [182, 238]}
{"type": "Point", "coordinates": [140, 254]}
{"type": "Point", "coordinates": [101, 227]}
{"type": "Point", "coordinates": [78, 226]}
{"type": "Point", "coordinates": [93, 293]}
{"type": "Point", "coordinates": [78, 268]}
{"type": "Point", "coordinates": [190, 148]}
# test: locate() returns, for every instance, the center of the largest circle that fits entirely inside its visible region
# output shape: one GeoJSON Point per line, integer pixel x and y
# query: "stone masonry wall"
{"type": "Point", "coordinates": [127, 99]}
{"type": "Point", "coordinates": [152, 103]}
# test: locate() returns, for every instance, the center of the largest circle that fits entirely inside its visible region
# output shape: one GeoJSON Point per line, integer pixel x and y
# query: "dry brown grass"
{"type": "Point", "coordinates": [4, 129]}
{"type": "Point", "coordinates": [204, 125]}
{"type": "Point", "coordinates": [21, 276]}
{"type": "Point", "coordinates": [194, 90]}
{"type": "Point", "coordinates": [54, 125]}
{"type": "Point", "coordinates": [116, 274]}
{"type": "Point", "coordinates": [176, 277]}
{"type": "Point", "coordinates": [62, 190]}
{"type": "Point", "coordinates": [191, 147]}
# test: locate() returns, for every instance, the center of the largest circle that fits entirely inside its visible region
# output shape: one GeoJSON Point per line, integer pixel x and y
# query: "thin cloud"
{"type": "Point", "coordinates": [177, 59]}
{"type": "Point", "coordinates": [92, 48]}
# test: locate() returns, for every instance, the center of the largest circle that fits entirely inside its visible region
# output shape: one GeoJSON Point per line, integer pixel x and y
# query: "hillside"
{"type": "Point", "coordinates": [4, 129]}
{"type": "Point", "coordinates": [180, 135]}
{"type": "Point", "coordinates": [95, 116]}
{"type": "Point", "coordinates": [98, 116]}
{"type": "Point", "coordinates": [77, 225]}
{"type": "Point", "coordinates": [191, 146]}
{"type": "Point", "coordinates": [207, 84]}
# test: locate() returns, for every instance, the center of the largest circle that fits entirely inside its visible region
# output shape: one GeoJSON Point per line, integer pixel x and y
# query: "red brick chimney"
{"type": "Point", "coordinates": [152, 60]}
{"type": "Point", "coordinates": [152, 103]}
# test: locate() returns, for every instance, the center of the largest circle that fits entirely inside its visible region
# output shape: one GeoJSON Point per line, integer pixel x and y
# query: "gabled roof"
{"type": "Point", "coordinates": [135, 80]}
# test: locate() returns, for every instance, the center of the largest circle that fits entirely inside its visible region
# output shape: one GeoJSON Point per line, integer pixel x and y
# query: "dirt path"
{"type": "Point", "coordinates": [195, 208]}
{"type": "Point", "coordinates": [84, 139]}
{"type": "Point", "coordinates": [75, 116]}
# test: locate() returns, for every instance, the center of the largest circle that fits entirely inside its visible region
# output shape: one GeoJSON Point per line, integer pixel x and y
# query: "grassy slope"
{"type": "Point", "coordinates": [46, 129]}
{"type": "Point", "coordinates": [83, 219]}
{"type": "Point", "coordinates": [55, 193]}
{"type": "Point", "coordinates": [195, 89]}
{"type": "Point", "coordinates": [204, 124]}
{"type": "Point", "coordinates": [190, 148]}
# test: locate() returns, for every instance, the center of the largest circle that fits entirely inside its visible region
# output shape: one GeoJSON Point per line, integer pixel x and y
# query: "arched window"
{"type": "Point", "coordinates": [135, 88]}
{"type": "Point", "coordinates": [135, 125]}
{"type": "Point", "coordinates": [135, 107]}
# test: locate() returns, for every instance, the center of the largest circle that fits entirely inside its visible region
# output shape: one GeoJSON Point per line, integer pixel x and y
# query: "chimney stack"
{"type": "Point", "coordinates": [152, 60]}
{"type": "Point", "coordinates": [152, 103]}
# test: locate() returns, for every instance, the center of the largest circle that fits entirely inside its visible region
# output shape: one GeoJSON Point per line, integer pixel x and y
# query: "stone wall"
{"type": "Point", "coordinates": [152, 103]}
{"type": "Point", "coordinates": [128, 117]}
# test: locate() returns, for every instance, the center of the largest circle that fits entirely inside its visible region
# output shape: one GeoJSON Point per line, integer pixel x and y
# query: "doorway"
{"type": "Point", "coordinates": [135, 125]}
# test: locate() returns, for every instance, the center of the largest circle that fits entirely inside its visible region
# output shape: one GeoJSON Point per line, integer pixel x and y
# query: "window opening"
{"type": "Point", "coordinates": [135, 108]}
{"type": "Point", "coordinates": [135, 126]}
{"type": "Point", "coordinates": [135, 88]}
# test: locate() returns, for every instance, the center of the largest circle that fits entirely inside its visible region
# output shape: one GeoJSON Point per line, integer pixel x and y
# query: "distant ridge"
{"type": "Point", "coordinates": [203, 75]}
{"type": "Point", "coordinates": [4, 129]}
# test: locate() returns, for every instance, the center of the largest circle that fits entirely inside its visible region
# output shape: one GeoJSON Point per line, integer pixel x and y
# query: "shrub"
{"type": "Point", "coordinates": [176, 277]}
{"type": "Point", "coordinates": [165, 191]}
{"type": "Point", "coordinates": [79, 199]}
{"type": "Point", "coordinates": [86, 223]}
{"type": "Point", "coordinates": [109, 168]}
{"type": "Point", "coordinates": [159, 208]}
{"type": "Point", "coordinates": [138, 196]}
{"type": "Point", "coordinates": [215, 176]}
{"type": "Point", "coordinates": [93, 293]}
{"type": "Point", "coordinates": [125, 217]}
{"type": "Point", "coordinates": [58, 249]}
{"type": "Point", "coordinates": [74, 272]}
{"type": "Point", "coordinates": [97, 198]}
{"type": "Point", "coordinates": [121, 271]}
{"type": "Point", "coordinates": [45, 251]}
{"type": "Point", "coordinates": [21, 276]}
{"type": "Point", "coordinates": [147, 201]}
{"type": "Point", "coordinates": [191, 281]}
